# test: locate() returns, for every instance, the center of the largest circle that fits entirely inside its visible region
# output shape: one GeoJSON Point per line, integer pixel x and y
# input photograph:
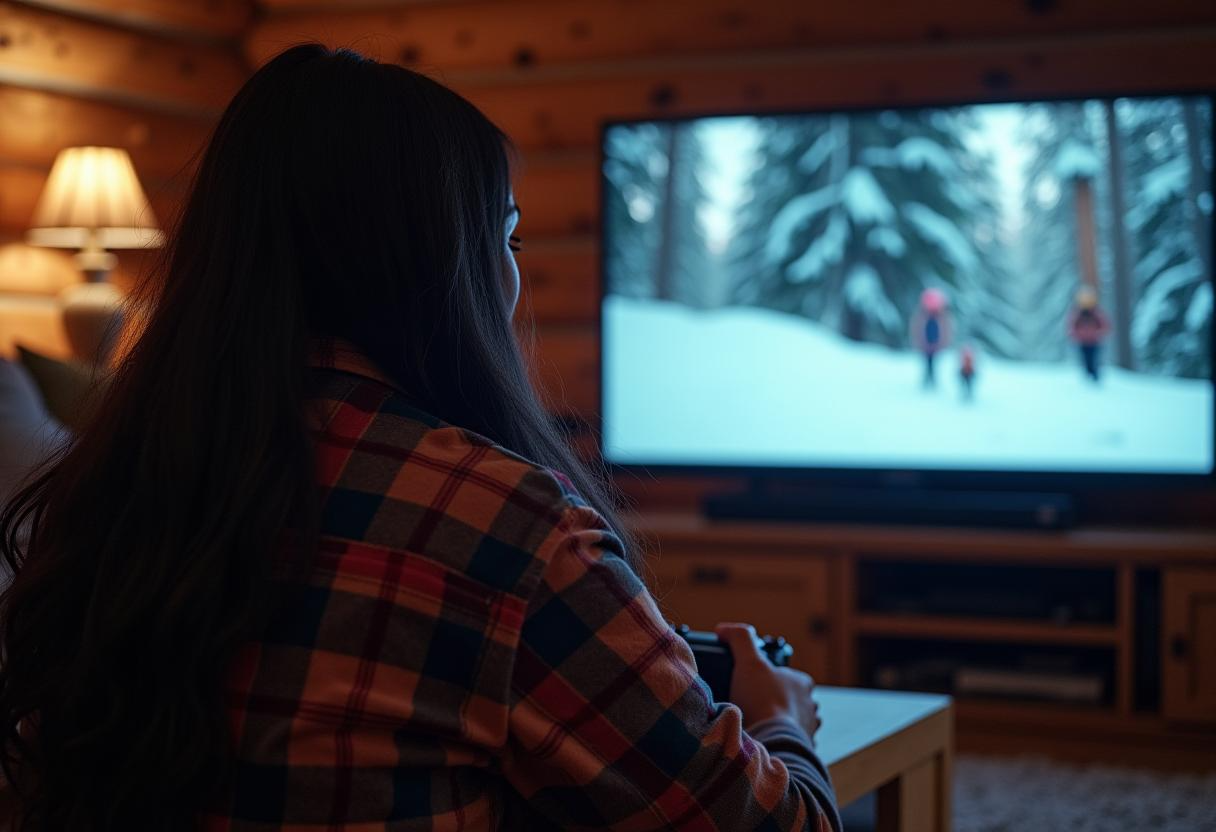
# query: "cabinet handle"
{"type": "Point", "coordinates": [818, 625]}
{"type": "Point", "coordinates": [709, 575]}
{"type": "Point", "coordinates": [1178, 647]}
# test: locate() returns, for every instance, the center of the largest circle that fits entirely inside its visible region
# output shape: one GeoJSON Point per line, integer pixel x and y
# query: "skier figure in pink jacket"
{"type": "Point", "coordinates": [966, 371]}
{"type": "Point", "coordinates": [931, 329]}
{"type": "Point", "coordinates": [1088, 327]}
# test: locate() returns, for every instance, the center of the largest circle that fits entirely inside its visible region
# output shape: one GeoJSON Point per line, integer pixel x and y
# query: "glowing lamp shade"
{"type": "Point", "coordinates": [93, 201]}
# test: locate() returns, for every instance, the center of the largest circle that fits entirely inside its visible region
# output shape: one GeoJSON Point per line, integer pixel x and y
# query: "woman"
{"type": "Point", "coordinates": [311, 565]}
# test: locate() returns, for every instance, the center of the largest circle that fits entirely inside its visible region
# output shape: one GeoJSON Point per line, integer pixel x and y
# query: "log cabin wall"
{"type": "Point", "coordinates": [151, 76]}
{"type": "Point", "coordinates": [550, 72]}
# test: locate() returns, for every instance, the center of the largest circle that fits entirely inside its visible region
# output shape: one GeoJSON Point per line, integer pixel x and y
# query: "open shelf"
{"type": "Point", "coordinates": [995, 597]}
{"type": "Point", "coordinates": [1000, 671]}
{"type": "Point", "coordinates": [892, 625]}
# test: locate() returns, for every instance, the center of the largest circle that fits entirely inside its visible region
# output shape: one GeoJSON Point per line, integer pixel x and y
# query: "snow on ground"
{"type": "Point", "coordinates": [746, 386]}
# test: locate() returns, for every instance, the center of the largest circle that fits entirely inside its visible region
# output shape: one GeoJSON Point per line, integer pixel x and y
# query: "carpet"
{"type": "Point", "coordinates": [1014, 794]}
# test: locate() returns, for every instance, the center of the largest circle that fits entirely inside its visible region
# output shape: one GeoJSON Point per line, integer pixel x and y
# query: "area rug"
{"type": "Point", "coordinates": [1013, 794]}
{"type": "Point", "coordinates": [1016, 794]}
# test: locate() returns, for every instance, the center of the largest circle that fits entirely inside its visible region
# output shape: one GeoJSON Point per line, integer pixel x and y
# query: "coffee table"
{"type": "Point", "coordinates": [898, 744]}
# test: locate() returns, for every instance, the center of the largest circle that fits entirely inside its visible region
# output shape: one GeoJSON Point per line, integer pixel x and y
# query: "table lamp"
{"type": "Point", "coordinates": [92, 201]}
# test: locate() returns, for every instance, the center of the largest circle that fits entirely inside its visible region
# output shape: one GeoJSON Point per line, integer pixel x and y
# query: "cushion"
{"type": "Point", "coordinates": [67, 386]}
{"type": "Point", "coordinates": [28, 432]}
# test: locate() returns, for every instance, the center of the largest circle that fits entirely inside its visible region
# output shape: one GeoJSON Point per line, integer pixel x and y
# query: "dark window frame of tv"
{"type": "Point", "coordinates": [1070, 482]}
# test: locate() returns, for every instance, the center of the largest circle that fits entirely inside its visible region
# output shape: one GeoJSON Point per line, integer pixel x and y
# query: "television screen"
{"type": "Point", "coordinates": [993, 287]}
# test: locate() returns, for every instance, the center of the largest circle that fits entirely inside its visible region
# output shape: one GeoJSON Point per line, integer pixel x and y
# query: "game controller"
{"type": "Point", "coordinates": [715, 663]}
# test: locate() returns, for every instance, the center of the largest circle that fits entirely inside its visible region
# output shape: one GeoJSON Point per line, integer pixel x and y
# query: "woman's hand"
{"type": "Point", "coordinates": [763, 691]}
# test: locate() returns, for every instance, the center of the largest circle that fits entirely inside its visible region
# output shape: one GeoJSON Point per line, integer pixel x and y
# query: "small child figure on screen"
{"type": "Point", "coordinates": [931, 329]}
{"type": "Point", "coordinates": [966, 370]}
{"type": "Point", "coordinates": [1088, 327]}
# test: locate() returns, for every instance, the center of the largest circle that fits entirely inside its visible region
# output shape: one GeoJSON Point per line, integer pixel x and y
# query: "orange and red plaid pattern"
{"type": "Point", "coordinates": [470, 651]}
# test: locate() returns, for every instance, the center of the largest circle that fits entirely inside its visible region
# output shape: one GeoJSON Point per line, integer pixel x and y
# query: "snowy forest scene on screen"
{"type": "Point", "coordinates": [1019, 286]}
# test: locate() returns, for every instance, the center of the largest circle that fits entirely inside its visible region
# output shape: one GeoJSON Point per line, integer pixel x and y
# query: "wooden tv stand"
{"type": "Point", "coordinates": [1138, 605]}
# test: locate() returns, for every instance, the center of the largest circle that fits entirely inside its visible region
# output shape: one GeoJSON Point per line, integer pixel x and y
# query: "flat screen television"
{"type": "Point", "coordinates": [1015, 292]}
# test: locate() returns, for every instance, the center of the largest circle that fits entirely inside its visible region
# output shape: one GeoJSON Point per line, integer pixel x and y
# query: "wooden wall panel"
{"type": "Point", "coordinates": [194, 18]}
{"type": "Point", "coordinates": [563, 108]}
{"type": "Point", "coordinates": [19, 190]}
{"type": "Point", "coordinates": [550, 72]}
{"type": "Point", "coordinates": [531, 33]}
{"type": "Point", "coordinates": [566, 363]}
{"type": "Point", "coordinates": [36, 125]}
{"type": "Point", "coordinates": [560, 278]}
{"type": "Point", "coordinates": [45, 50]}
{"type": "Point", "coordinates": [558, 194]}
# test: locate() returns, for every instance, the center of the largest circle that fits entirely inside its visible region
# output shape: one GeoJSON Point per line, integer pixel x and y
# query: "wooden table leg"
{"type": "Point", "coordinates": [919, 799]}
{"type": "Point", "coordinates": [945, 789]}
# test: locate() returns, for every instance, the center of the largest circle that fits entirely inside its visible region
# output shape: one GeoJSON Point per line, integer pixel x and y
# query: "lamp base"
{"type": "Point", "coordinates": [92, 319]}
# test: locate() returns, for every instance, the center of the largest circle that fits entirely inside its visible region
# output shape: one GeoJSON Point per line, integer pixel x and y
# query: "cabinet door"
{"type": "Point", "coordinates": [779, 596]}
{"type": "Point", "coordinates": [1189, 652]}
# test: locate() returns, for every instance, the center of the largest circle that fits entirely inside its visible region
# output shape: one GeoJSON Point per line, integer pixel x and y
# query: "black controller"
{"type": "Point", "coordinates": [715, 663]}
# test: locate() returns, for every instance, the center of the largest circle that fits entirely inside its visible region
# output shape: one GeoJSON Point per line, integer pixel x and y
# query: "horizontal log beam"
{"type": "Point", "coordinates": [48, 51]}
{"type": "Point", "coordinates": [36, 125]}
{"type": "Point", "coordinates": [214, 18]}
{"type": "Point", "coordinates": [535, 33]}
{"type": "Point", "coordinates": [565, 107]}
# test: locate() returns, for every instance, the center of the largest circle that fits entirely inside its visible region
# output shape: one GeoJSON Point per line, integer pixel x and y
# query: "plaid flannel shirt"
{"type": "Point", "coordinates": [470, 651]}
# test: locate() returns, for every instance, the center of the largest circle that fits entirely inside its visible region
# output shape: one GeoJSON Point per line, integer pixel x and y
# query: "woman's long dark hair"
{"type": "Point", "coordinates": [339, 198]}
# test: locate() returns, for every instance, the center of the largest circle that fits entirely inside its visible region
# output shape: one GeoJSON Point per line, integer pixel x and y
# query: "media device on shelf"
{"type": "Point", "coordinates": [948, 314]}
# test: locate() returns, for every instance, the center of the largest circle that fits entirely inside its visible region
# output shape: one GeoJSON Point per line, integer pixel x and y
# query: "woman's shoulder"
{"type": "Point", "coordinates": [396, 476]}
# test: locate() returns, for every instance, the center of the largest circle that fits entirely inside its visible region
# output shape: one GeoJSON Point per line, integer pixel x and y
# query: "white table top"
{"type": "Point", "coordinates": [855, 718]}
